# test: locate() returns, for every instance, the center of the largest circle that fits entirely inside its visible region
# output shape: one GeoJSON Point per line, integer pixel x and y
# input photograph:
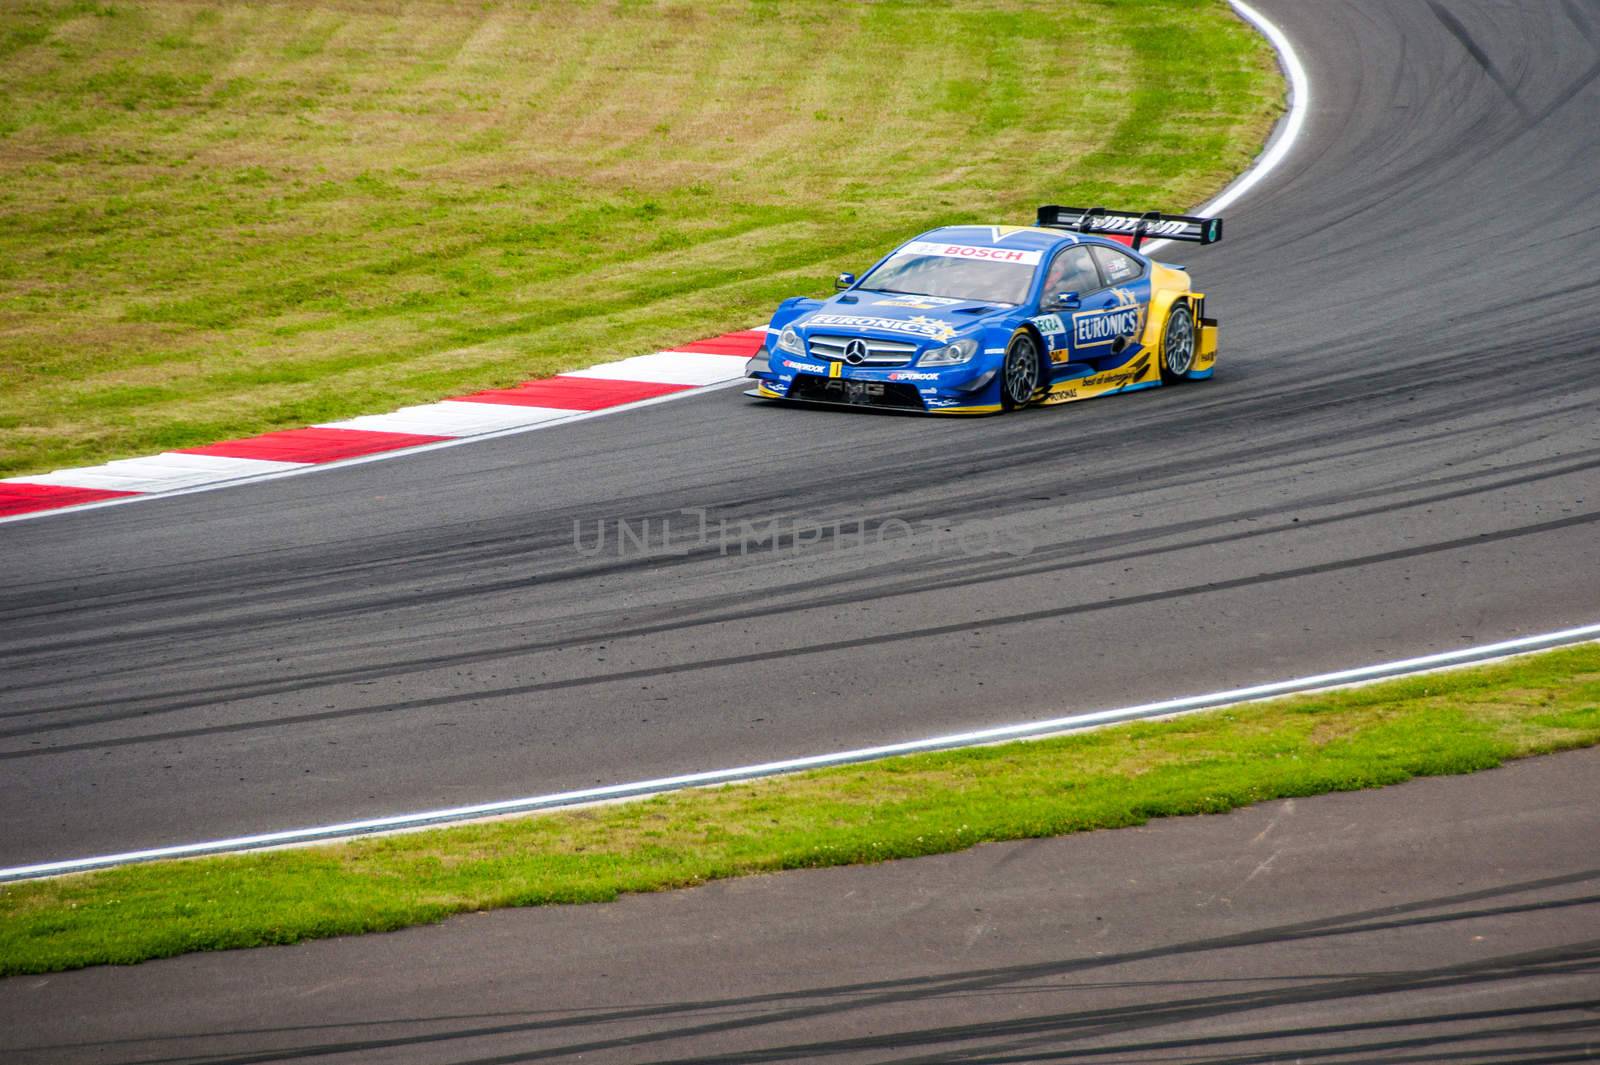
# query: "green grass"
{"type": "Point", "coordinates": [1456, 722]}
{"type": "Point", "coordinates": [218, 219]}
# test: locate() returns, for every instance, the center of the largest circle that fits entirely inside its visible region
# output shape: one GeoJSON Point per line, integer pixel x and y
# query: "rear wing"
{"type": "Point", "coordinates": [1132, 225]}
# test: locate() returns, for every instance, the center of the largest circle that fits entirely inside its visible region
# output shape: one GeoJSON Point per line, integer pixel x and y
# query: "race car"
{"type": "Point", "coordinates": [982, 319]}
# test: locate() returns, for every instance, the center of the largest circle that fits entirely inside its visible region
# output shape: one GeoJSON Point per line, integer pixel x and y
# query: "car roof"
{"type": "Point", "coordinates": [1028, 238]}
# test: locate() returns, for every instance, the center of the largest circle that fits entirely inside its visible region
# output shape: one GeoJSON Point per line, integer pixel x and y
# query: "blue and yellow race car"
{"type": "Point", "coordinates": [981, 319]}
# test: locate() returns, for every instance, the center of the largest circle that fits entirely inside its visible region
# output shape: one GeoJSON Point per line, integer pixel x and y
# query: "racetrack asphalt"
{"type": "Point", "coordinates": [1399, 454]}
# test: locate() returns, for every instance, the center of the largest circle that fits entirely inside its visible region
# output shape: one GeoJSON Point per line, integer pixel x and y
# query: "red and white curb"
{"type": "Point", "coordinates": [612, 386]}
{"type": "Point", "coordinates": [531, 405]}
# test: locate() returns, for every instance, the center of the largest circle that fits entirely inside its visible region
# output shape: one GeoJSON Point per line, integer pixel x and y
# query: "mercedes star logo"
{"type": "Point", "coordinates": [855, 352]}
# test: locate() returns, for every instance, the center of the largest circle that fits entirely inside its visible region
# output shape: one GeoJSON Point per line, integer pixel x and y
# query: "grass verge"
{"type": "Point", "coordinates": [1447, 723]}
{"type": "Point", "coordinates": [219, 218]}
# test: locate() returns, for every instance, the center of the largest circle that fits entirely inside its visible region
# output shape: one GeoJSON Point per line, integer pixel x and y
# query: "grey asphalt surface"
{"type": "Point", "coordinates": [1452, 919]}
{"type": "Point", "coordinates": [1399, 454]}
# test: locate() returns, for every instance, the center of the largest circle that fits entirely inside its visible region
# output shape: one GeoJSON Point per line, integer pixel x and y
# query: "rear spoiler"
{"type": "Point", "coordinates": [1131, 224]}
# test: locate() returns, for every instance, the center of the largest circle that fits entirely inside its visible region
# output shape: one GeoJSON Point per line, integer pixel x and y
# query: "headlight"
{"type": "Point", "coordinates": [957, 353]}
{"type": "Point", "coordinates": [790, 341]}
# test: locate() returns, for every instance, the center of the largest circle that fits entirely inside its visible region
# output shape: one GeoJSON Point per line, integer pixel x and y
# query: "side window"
{"type": "Point", "coordinates": [1118, 267]}
{"type": "Point", "coordinates": [1072, 271]}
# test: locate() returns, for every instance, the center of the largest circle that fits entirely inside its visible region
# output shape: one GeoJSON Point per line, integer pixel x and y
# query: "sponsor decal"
{"type": "Point", "coordinates": [973, 251]}
{"type": "Point", "coordinates": [918, 325]}
{"type": "Point", "coordinates": [805, 367]}
{"type": "Point", "coordinates": [912, 375]}
{"type": "Point", "coordinates": [1104, 224]}
{"type": "Point", "coordinates": [921, 303]}
{"type": "Point", "coordinates": [1049, 323]}
{"type": "Point", "coordinates": [1120, 266]}
{"type": "Point", "coordinates": [1101, 384]}
{"type": "Point", "coordinates": [1118, 378]}
{"type": "Point", "coordinates": [1091, 329]}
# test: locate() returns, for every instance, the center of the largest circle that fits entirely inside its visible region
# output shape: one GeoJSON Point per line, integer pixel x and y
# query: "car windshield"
{"type": "Point", "coordinates": [957, 271]}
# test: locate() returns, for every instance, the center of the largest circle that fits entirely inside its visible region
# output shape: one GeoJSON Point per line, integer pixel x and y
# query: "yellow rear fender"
{"type": "Point", "coordinates": [1167, 287]}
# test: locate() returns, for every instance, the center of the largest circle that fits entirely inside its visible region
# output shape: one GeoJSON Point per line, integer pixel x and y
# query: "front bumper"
{"type": "Point", "coordinates": [943, 390]}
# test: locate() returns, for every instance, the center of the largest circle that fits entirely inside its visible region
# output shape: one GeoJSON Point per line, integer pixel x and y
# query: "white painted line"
{"type": "Point", "coordinates": [1287, 133]}
{"type": "Point", "coordinates": [669, 368]}
{"type": "Point", "coordinates": [976, 738]}
{"type": "Point", "coordinates": [1299, 104]}
{"type": "Point", "coordinates": [451, 418]}
{"type": "Point", "coordinates": [165, 472]}
{"type": "Point", "coordinates": [103, 478]}
{"type": "Point", "coordinates": [96, 477]}
{"type": "Point", "coordinates": [222, 467]}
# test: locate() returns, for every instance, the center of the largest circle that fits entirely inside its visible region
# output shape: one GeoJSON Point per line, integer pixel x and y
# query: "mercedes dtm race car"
{"type": "Point", "coordinates": [979, 319]}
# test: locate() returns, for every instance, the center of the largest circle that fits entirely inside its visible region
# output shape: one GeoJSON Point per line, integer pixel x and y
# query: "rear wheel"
{"type": "Point", "coordinates": [1177, 344]}
{"type": "Point", "coordinates": [1019, 377]}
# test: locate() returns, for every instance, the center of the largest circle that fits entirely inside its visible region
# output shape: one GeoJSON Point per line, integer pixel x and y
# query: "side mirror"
{"type": "Point", "coordinates": [844, 281]}
{"type": "Point", "coordinates": [1065, 301]}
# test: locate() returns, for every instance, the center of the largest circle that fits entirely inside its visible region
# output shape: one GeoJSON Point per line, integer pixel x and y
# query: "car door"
{"type": "Point", "coordinates": [1072, 271]}
{"type": "Point", "coordinates": [1108, 325]}
{"type": "Point", "coordinates": [1101, 326]}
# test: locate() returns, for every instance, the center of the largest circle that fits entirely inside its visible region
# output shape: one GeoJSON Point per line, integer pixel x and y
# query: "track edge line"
{"type": "Point", "coordinates": [1033, 730]}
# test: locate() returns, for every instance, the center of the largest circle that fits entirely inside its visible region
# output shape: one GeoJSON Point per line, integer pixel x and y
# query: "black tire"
{"type": "Point", "coordinates": [1179, 343]}
{"type": "Point", "coordinates": [1020, 374]}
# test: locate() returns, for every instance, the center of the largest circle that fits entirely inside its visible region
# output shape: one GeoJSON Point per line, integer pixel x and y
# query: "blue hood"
{"type": "Point", "coordinates": [932, 319]}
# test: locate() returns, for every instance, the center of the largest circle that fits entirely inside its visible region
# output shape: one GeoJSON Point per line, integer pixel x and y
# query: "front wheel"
{"type": "Point", "coordinates": [1177, 344]}
{"type": "Point", "coordinates": [1019, 377]}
